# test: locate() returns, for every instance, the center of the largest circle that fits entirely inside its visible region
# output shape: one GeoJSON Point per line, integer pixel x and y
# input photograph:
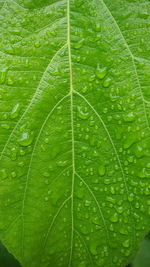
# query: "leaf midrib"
{"type": "Point", "coordinates": [72, 126]}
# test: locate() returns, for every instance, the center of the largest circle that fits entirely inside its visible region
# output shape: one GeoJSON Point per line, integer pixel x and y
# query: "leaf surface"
{"type": "Point", "coordinates": [75, 97]}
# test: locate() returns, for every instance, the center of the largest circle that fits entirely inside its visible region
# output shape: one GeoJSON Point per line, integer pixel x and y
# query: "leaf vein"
{"type": "Point", "coordinates": [32, 100]}
{"type": "Point", "coordinates": [86, 247]}
{"type": "Point", "coordinates": [133, 60]}
{"type": "Point", "coordinates": [99, 208]}
{"type": "Point", "coordinates": [53, 220]}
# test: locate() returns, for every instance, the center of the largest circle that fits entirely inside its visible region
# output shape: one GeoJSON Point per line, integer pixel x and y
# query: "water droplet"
{"type": "Point", "coordinates": [101, 72]}
{"type": "Point", "coordinates": [148, 165]}
{"type": "Point", "coordinates": [62, 163]}
{"type": "Point", "coordinates": [3, 73]}
{"type": "Point", "coordinates": [83, 113]}
{"type": "Point", "coordinates": [79, 3]}
{"type": "Point", "coordinates": [55, 72]}
{"type": "Point", "coordinates": [4, 116]}
{"type": "Point", "coordinates": [5, 126]}
{"type": "Point", "coordinates": [93, 248]}
{"type": "Point", "coordinates": [79, 44]}
{"type": "Point", "coordinates": [107, 181]}
{"type": "Point", "coordinates": [119, 209]}
{"type": "Point", "coordinates": [22, 152]}
{"type": "Point", "coordinates": [21, 164]}
{"type": "Point", "coordinates": [114, 218]}
{"type": "Point", "coordinates": [85, 89]}
{"type": "Point", "coordinates": [123, 231]}
{"type": "Point", "coordinates": [78, 59]}
{"type": "Point", "coordinates": [107, 82]}
{"type": "Point", "coordinates": [126, 243]}
{"type": "Point", "coordinates": [112, 190]}
{"type": "Point", "coordinates": [13, 174]}
{"type": "Point", "coordinates": [4, 174]}
{"type": "Point", "coordinates": [101, 170]}
{"type": "Point", "coordinates": [139, 151]}
{"type": "Point", "coordinates": [129, 117]}
{"type": "Point", "coordinates": [130, 140]}
{"type": "Point", "coordinates": [15, 111]}
{"type": "Point", "coordinates": [142, 173]}
{"type": "Point", "coordinates": [91, 78]}
{"type": "Point", "coordinates": [10, 81]}
{"type": "Point", "coordinates": [131, 197]}
{"type": "Point", "coordinates": [87, 203]}
{"type": "Point", "coordinates": [46, 140]}
{"type": "Point", "coordinates": [95, 220]}
{"type": "Point", "coordinates": [13, 153]}
{"type": "Point", "coordinates": [110, 199]}
{"type": "Point", "coordinates": [111, 228]}
{"type": "Point", "coordinates": [37, 44]}
{"type": "Point", "coordinates": [46, 198]}
{"type": "Point", "coordinates": [146, 191]}
{"type": "Point", "coordinates": [46, 174]}
{"type": "Point", "coordinates": [26, 139]}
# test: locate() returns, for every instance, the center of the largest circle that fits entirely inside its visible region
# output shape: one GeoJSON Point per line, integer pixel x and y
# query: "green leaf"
{"type": "Point", "coordinates": [75, 142]}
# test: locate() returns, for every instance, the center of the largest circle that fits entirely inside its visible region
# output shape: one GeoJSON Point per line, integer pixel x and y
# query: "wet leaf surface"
{"type": "Point", "coordinates": [75, 94]}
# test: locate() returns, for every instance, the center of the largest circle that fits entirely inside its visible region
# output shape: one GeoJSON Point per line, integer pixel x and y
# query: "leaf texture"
{"type": "Point", "coordinates": [75, 99]}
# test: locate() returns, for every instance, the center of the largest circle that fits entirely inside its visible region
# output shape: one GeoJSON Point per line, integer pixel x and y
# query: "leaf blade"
{"type": "Point", "coordinates": [82, 121]}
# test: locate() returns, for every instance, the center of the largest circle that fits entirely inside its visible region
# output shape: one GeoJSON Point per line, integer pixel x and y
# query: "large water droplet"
{"type": "Point", "coordinates": [15, 111]}
{"type": "Point", "coordinates": [79, 44]}
{"type": "Point", "coordinates": [130, 140]}
{"type": "Point", "coordinates": [26, 138]}
{"type": "Point", "coordinates": [83, 113]}
{"type": "Point", "coordinates": [123, 231]}
{"type": "Point", "coordinates": [101, 72]}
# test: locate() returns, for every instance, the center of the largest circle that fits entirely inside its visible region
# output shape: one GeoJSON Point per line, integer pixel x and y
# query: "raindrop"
{"type": "Point", "coordinates": [62, 163]}
{"type": "Point", "coordinates": [114, 218]}
{"type": "Point", "coordinates": [3, 73]}
{"type": "Point", "coordinates": [126, 243]}
{"type": "Point", "coordinates": [107, 82]}
{"type": "Point", "coordinates": [101, 72]}
{"type": "Point", "coordinates": [83, 113]}
{"type": "Point", "coordinates": [101, 170]}
{"type": "Point", "coordinates": [4, 174]}
{"type": "Point", "coordinates": [79, 44]}
{"type": "Point", "coordinates": [15, 111]}
{"type": "Point", "coordinates": [129, 117]}
{"type": "Point", "coordinates": [26, 139]}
